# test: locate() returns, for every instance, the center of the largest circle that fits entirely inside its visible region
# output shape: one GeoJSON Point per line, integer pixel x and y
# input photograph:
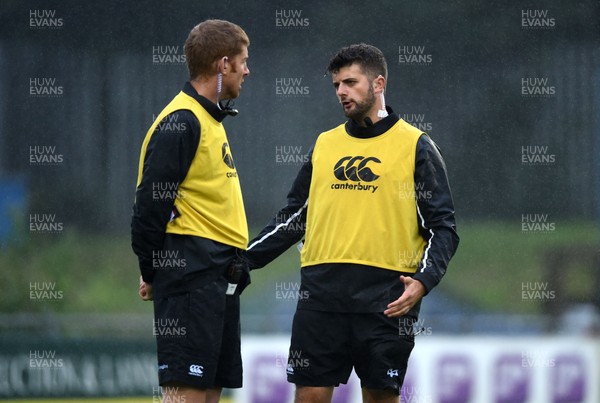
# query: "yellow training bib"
{"type": "Point", "coordinates": [209, 200]}
{"type": "Point", "coordinates": [362, 203]}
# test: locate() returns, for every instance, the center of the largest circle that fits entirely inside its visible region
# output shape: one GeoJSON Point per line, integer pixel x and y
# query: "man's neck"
{"type": "Point", "coordinates": [372, 117]}
{"type": "Point", "coordinates": [206, 87]}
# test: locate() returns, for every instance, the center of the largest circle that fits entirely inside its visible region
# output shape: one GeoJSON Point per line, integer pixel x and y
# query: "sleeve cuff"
{"type": "Point", "coordinates": [147, 273]}
{"type": "Point", "coordinates": [428, 281]}
{"type": "Point", "coordinates": [243, 256]}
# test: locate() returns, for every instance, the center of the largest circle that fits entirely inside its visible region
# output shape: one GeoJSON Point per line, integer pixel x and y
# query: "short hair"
{"type": "Point", "coordinates": [209, 41]}
{"type": "Point", "coordinates": [369, 57]}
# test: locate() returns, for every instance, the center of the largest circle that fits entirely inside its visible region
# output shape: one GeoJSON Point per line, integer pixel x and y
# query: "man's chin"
{"type": "Point", "coordinates": [349, 112]}
{"type": "Point", "coordinates": [352, 114]}
{"type": "Point", "coordinates": [230, 95]}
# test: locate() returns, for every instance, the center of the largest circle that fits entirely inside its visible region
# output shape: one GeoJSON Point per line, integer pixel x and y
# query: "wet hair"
{"type": "Point", "coordinates": [209, 41]}
{"type": "Point", "coordinates": [370, 59]}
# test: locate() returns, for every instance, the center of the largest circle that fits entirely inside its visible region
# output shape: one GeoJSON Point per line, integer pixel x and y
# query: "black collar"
{"type": "Point", "coordinates": [382, 126]}
{"type": "Point", "coordinates": [211, 108]}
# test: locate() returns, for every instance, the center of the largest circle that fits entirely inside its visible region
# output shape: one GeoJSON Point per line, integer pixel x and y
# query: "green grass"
{"type": "Point", "coordinates": [98, 273]}
{"type": "Point", "coordinates": [95, 274]}
{"type": "Point", "coordinates": [495, 259]}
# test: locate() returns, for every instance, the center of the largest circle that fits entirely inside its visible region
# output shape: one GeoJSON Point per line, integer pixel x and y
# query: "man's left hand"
{"type": "Point", "coordinates": [145, 291]}
{"type": "Point", "coordinates": [414, 290]}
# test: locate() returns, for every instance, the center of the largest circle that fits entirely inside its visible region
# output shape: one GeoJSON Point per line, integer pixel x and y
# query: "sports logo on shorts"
{"type": "Point", "coordinates": [392, 372]}
{"type": "Point", "coordinates": [346, 169]}
{"type": "Point", "coordinates": [227, 158]}
{"type": "Point", "coordinates": [196, 370]}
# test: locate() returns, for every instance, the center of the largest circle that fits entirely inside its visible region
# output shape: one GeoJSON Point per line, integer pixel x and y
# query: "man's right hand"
{"type": "Point", "coordinates": [145, 290]}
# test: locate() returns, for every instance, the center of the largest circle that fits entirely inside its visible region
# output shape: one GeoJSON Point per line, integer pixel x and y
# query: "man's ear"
{"type": "Point", "coordinates": [379, 84]}
{"type": "Point", "coordinates": [223, 65]}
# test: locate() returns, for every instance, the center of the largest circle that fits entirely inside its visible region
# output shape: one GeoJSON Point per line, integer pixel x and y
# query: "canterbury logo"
{"type": "Point", "coordinates": [355, 169]}
{"type": "Point", "coordinates": [227, 158]}
{"type": "Point", "coordinates": [196, 370]}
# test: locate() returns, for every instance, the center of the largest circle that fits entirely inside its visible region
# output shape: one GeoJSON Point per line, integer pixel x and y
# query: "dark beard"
{"type": "Point", "coordinates": [361, 110]}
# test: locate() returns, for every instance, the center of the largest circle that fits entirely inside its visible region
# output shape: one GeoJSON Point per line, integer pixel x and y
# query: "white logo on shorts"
{"type": "Point", "coordinates": [196, 370]}
{"type": "Point", "coordinates": [164, 366]}
{"type": "Point", "coordinates": [290, 370]}
{"type": "Point", "coordinates": [392, 372]}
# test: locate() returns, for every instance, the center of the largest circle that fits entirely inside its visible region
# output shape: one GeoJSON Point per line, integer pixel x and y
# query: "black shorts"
{"type": "Point", "coordinates": [326, 346]}
{"type": "Point", "coordinates": [198, 337]}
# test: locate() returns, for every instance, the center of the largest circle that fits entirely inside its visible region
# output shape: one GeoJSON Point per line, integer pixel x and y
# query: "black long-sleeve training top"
{"type": "Point", "coordinates": [167, 160]}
